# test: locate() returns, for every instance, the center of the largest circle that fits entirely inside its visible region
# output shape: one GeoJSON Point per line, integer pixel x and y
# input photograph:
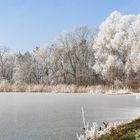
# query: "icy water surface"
{"type": "Point", "coordinates": [41, 116]}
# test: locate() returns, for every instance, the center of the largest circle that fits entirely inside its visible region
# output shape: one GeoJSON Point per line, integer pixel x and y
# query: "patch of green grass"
{"type": "Point", "coordinates": [129, 131]}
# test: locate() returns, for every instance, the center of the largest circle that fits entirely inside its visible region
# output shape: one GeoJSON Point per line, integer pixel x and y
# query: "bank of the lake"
{"type": "Point", "coordinates": [128, 131]}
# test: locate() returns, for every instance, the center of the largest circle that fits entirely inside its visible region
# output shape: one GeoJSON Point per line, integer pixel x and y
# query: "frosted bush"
{"type": "Point", "coordinates": [94, 131]}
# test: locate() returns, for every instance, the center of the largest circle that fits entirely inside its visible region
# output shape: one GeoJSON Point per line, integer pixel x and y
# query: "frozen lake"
{"type": "Point", "coordinates": [58, 116]}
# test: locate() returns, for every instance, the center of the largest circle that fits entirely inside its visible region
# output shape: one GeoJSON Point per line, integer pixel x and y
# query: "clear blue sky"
{"type": "Point", "coordinates": [25, 24]}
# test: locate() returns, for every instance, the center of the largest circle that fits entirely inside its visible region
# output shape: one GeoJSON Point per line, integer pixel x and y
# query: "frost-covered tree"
{"type": "Point", "coordinates": [117, 46]}
{"type": "Point", "coordinates": [23, 72]}
{"type": "Point", "coordinates": [41, 56]}
{"type": "Point", "coordinates": [6, 64]}
{"type": "Point", "coordinates": [9, 68]}
{"type": "Point", "coordinates": [58, 73]}
{"type": "Point", "coordinates": [75, 56]}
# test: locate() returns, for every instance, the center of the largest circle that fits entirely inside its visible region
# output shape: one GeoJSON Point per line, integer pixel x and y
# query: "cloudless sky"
{"type": "Point", "coordinates": [25, 24]}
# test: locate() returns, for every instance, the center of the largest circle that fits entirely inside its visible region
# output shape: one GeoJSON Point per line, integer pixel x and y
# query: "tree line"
{"type": "Point", "coordinates": [109, 55]}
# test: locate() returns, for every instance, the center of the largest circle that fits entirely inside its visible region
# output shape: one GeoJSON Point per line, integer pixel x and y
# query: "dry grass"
{"type": "Point", "coordinates": [65, 89]}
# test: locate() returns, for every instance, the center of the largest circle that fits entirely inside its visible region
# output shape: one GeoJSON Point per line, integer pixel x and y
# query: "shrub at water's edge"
{"type": "Point", "coordinates": [110, 131]}
{"type": "Point", "coordinates": [113, 131]}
